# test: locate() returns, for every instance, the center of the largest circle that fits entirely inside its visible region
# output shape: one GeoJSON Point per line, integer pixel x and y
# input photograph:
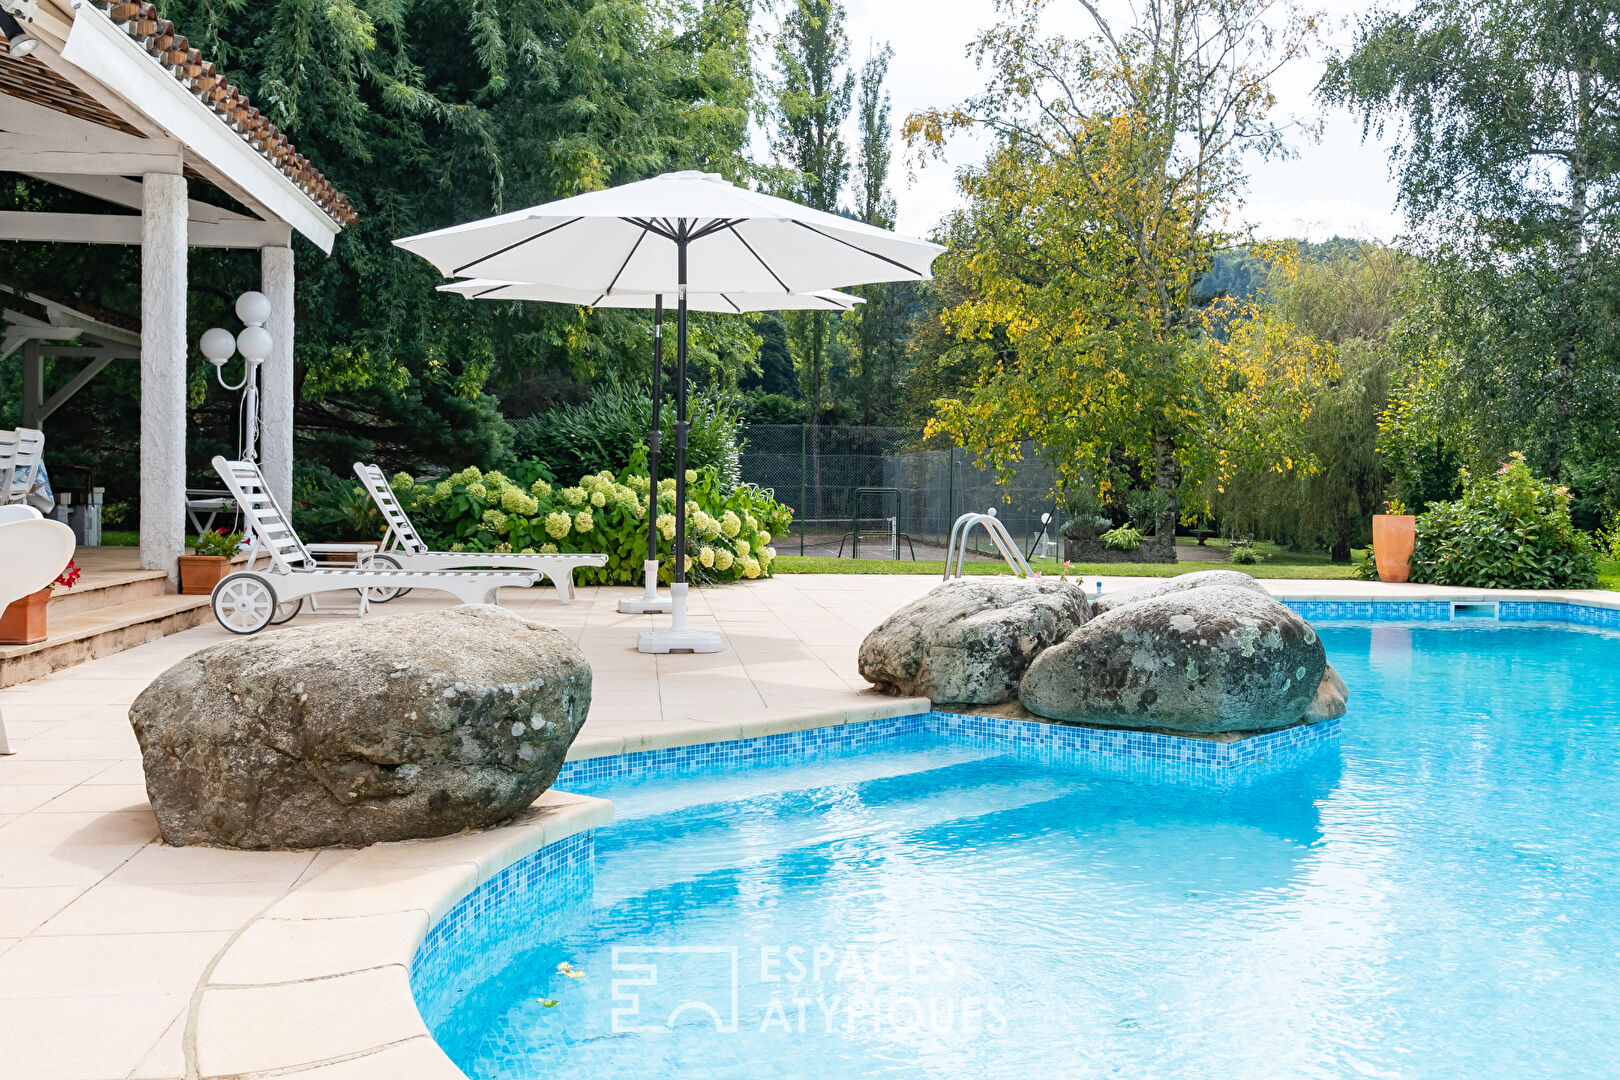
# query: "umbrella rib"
{"type": "Point", "coordinates": [633, 249]}
{"type": "Point", "coordinates": [732, 227]}
{"type": "Point", "coordinates": [479, 295]}
{"type": "Point", "coordinates": [856, 247]}
{"type": "Point", "coordinates": [509, 247]}
{"type": "Point", "coordinates": [732, 302]}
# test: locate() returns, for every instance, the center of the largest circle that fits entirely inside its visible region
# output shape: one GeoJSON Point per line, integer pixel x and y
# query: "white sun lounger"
{"type": "Point", "coordinates": [33, 552]}
{"type": "Point", "coordinates": [249, 600]}
{"type": "Point", "coordinates": [20, 451]}
{"type": "Point", "coordinates": [403, 545]}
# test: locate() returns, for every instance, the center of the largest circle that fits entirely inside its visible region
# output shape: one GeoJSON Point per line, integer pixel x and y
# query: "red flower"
{"type": "Point", "coordinates": [69, 577]}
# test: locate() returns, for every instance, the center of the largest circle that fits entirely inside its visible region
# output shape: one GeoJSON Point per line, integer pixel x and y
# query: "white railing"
{"type": "Point", "coordinates": [999, 536]}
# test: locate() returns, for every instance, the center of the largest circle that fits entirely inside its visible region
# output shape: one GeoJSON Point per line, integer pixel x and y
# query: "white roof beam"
{"type": "Point", "coordinates": [124, 192]}
{"type": "Point", "coordinates": [115, 154]}
{"type": "Point", "coordinates": [126, 229]}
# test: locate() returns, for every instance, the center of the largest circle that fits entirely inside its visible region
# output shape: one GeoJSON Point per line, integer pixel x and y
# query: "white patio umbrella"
{"type": "Point", "coordinates": [670, 234]}
{"type": "Point", "coordinates": [649, 602]}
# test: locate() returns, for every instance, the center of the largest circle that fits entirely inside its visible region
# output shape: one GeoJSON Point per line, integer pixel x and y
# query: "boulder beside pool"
{"type": "Point", "coordinates": [1198, 579]}
{"type": "Point", "coordinates": [361, 732]}
{"type": "Point", "coordinates": [970, 640]}
{"type": "Point", "coordinates": [1205, 660]}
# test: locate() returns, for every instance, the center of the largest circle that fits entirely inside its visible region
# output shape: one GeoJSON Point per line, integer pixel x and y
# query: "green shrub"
{"type": "Point", "coordinates": [1244, 553]}
{"type": "Point", "coordinates": [606, 431]}
{"type": "Point", "coordinates": [728, 532]}
{"type": "Point", "coordinates": [1509, 530]}
{"type": "Point", "coordinates": [331, 508]}
{"type": "Point", "coordinates": [1124, 538]}
{"type": "Point", "coordinates": [219, 542]}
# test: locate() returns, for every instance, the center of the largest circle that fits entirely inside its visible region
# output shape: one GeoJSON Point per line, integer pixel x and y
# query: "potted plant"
{"type": "Point", "coordinates": [210, 561]}
{"type": "Point", "coordinates": [1394, 534]}
{"type": "Point", "coordinates": [23, 622]}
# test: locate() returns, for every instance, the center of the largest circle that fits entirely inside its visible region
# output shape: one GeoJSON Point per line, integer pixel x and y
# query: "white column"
{"type": "Point", "coordinates": [276, 374]}
{"type": "Point", "coordinates": [163, 371]}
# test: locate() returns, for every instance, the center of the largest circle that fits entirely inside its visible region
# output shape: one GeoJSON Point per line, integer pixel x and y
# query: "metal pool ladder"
{"type": "Point", "coordinates": [998, 535]}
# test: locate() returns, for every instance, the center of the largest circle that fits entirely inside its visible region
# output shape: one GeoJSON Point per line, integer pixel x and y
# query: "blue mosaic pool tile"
{"type": "Point", "coordinates": [1371, 610]}
{"type": "Point", "coordinates": [536, 899]}
{"type": "Point", "coordinates": [1140, 754]}
{"type": "Point", "coordinates": [786, 746]}
{"type": "Point", "coordinates": [1541, 611]}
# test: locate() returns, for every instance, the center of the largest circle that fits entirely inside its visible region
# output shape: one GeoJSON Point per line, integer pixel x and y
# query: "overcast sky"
{"type": "Point", "coordinates": [1336, 186]}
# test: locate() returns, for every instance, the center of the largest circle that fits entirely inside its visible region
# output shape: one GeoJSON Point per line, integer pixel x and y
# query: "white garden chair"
{"type": "Point", "coordinates": [249, 600]}
{"type": "Point", "coordinates": [34, 552]}
{"type": "Point", "coordinates": [404, 547]}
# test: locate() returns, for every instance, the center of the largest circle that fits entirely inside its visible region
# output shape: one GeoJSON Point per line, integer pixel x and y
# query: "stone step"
{"type": "Point", "coordinates": [103, 590]}
{"type": "Point", "coordinates": [101, 631]}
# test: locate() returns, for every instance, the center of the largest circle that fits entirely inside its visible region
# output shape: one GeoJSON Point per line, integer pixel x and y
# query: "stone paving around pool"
{"type": "Point", "coordinates": [121, 958]}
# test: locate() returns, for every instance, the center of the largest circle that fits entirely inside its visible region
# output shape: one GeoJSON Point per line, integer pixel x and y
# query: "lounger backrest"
{"type": "Point", "coordinates": [263, 517]}
{"type": "Point", "coordinates": [24, 447]}
{"type": "Point", "coordinates": [8, 458]}
{"type": "Point", "coordinates": [383, 495]}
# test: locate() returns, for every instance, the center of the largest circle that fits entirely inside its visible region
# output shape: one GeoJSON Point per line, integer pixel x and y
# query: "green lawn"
{"type": "Point", "coordinates": [1278, 564]}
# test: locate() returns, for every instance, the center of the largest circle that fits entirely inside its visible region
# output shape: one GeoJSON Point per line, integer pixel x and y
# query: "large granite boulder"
{"type": "Point", "coordinates": [1198, 579]}
{"type": "Point", "coordinates": [1332, 697]}
{"type": "Point", "coordinates": [1210, 659]}
{"type": "Point", "coordinates": [970, 640]}
{"type": "Point", "coordinates": [361, 732]}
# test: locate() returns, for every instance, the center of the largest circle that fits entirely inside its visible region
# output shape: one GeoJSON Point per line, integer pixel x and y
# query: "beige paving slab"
{"type": "Point", "coordinates": [76, 829]}
{"type": "Point", "coordinates": [166, 1060]}
{"type": "Point", "coordinates": [160, 909]}
{"type": "Point", "coordinates": [105, 798]}
{"type": "Point", "coordinates": [81, 864]}
{"type": "Point", "coordinates": [85, 1038]}
{"type": "Point", "coordinates": [290, 950]}
{"type": "Point", "coordinates": [25, 910]}
{"type": "Point", "coordinates": [414, 1059]}
{"type": "Point", "coordinates": [106, 964]}
{"type": "Point", "coordinates": [246, 1030]}
{"type": "Point", "coordinates": [158, 864]}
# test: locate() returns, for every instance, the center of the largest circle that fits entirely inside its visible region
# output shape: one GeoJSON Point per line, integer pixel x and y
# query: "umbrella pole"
{"type": "Point", "coordinates": [678, 638]}
{"type": "Point", "coordinates": [649, 602]}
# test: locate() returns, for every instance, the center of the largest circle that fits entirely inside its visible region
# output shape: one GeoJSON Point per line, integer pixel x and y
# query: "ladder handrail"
{"type": "Point", "coordinates": [998, 535]}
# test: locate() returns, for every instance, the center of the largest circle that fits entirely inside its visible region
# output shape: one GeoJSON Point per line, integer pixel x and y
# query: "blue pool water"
{"type": "Point", "coordinates": [1437, 897]}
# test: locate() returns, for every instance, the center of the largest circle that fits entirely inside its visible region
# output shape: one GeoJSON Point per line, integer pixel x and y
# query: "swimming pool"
{"type": "Point", "coordinates": [1435, 896]}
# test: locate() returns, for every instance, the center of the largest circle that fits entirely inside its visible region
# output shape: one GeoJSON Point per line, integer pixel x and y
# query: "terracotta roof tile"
{"type": "Point", "coordinates": [173, 52]}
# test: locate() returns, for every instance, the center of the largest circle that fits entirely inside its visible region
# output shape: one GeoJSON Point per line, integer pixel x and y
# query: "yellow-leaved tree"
{"type": "Point", "coordinates": [1116, 161]}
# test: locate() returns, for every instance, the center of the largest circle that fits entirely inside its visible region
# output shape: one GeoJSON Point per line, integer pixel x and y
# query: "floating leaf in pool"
{"type": "Point", "coordinates": [565, 968]}
{"type": "Point", "coordinates": [547, 1002]}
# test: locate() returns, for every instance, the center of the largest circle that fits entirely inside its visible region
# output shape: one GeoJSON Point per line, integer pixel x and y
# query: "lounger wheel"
{"type": "Point", "coordinates": [379, 594]}
{"type": "Point", "coordinates": [244, 603]}
{"type": "Point", "coordinates": [286, 610]}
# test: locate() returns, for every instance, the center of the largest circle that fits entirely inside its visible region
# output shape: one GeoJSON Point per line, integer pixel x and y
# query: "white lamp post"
{"type": "Point", "coordinates": [254, 342]}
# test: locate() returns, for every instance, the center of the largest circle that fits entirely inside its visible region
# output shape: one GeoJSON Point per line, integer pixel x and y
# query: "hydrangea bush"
{"type": "Point", "coordinates": [1510, 530]}
{"type": "Point", "coordinates": [728, 533]}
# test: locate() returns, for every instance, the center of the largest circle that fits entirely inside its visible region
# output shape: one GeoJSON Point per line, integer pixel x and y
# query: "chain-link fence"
{"type": "Point", "coordinates": [867, 492]}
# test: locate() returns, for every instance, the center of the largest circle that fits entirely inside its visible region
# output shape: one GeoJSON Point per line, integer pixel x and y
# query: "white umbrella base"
{"type": "Point", "coordinates": [678, 638]}
{"type": "Point", "coordinates": [674, 641]}
{"type": "Point", "coordinates": [649, 602]}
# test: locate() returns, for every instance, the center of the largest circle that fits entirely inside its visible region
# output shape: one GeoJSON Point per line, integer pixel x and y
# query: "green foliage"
{"type": "Point", "coordinates": [1124, 538]}
{"type": "Point", "coordinates": [328, 507]}
{"type": "Point", "coordinates": [1508, 161]}
{"type": "Point", "coordinates": [220, 542]}
{"type": "Point", "coordinates": [729, 530]}
{"type": "Point", "coordinates": [608, 430]}
{"type": "Point", "coordinates": [1509, 530]}
{"type": "Point", "coordinates": [1244, 553]}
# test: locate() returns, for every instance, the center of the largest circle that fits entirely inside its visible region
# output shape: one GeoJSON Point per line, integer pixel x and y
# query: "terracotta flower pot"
{"type": "Point", "coordinates": [1393, 538]}
{"type": "Point", "coordinates": [200, 573]}
{"type": "Point", "coordinates": [23, 622]}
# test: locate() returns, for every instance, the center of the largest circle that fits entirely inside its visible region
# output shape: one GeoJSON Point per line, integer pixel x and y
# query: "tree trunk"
{"type": "Point", "coordinates": [1166, 478]}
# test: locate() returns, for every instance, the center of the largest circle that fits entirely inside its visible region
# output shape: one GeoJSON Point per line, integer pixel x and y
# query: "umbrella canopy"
{"type": "Point", "coordinates": [625, 239]}
{"type": "Point", "coordinates": [728, 303]}
{"type": "Point", "coordinates": [680, 233]}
